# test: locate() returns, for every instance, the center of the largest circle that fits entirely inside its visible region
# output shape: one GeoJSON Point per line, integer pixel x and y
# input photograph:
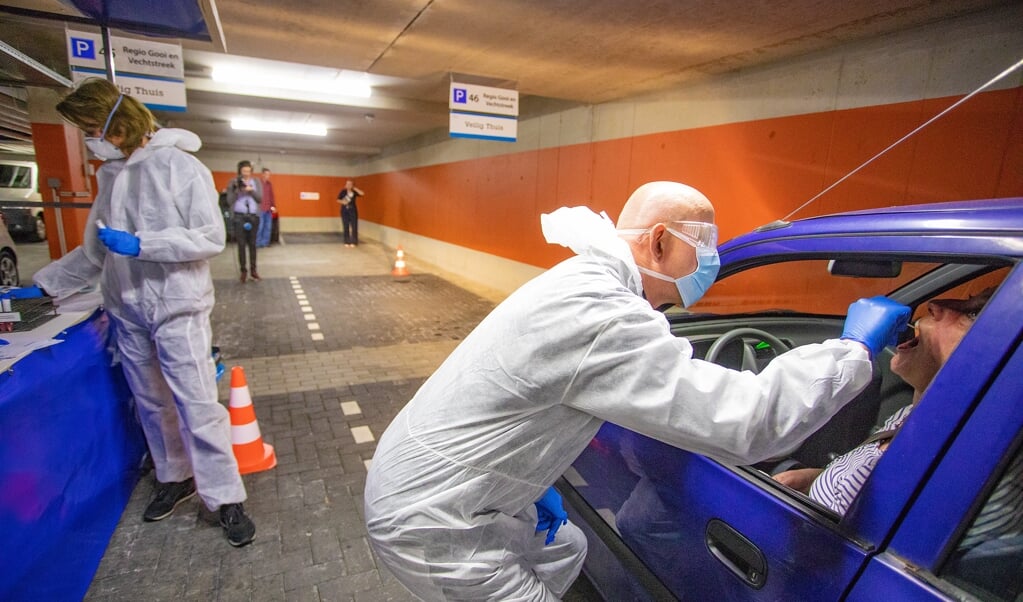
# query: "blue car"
{"type": "Point", "coordinates": [664, 524]}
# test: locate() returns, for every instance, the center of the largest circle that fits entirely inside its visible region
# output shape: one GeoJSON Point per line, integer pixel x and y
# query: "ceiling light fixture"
{"type": "Point", "coordinates": [280, 127]}
{"type": "Point", "coordinates": [340, 83]}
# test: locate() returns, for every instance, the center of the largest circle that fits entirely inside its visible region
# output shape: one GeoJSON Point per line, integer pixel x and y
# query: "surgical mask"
{"type": "Point", "coordinates": [101, 147]}
{"type": "Point", "coordinates": [702, 236]}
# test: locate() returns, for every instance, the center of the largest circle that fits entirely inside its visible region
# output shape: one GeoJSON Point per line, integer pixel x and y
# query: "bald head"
{"type": "Point", "coordinates": [656, 202]}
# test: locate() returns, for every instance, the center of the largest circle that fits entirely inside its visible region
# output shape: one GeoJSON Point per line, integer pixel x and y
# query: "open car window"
{"type": "Point", "coordinates": [806, 288]}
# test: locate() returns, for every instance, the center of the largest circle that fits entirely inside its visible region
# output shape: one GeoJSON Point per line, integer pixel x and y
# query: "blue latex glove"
{"type": "Point", "coordinates": [550, 514]}
{"type": "Point", "coordinates": [875, 322]}
{"type": "Point", "coordinates": [247, 226]}
{"type": "Point", "coordinates": [25, 292]}
{"type": "Point", "coordinates": [119, 241]}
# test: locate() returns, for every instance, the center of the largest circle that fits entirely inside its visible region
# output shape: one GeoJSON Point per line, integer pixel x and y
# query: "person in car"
{"type": "Point", "coordinates": [457, 496]}
{"type": "Point", "coordinates": [917, 361]}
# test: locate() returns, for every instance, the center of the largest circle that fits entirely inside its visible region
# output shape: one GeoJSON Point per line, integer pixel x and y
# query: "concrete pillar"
{"type": "Point", "coordinates": [60, 155]}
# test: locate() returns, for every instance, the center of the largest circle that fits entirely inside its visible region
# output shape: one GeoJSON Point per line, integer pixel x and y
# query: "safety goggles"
{"type": "Point", "coordinates": [697, 234]}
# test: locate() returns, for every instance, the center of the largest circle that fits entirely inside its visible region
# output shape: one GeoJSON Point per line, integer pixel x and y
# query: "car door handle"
{"type": "Point", "coordinates": [737, 553]}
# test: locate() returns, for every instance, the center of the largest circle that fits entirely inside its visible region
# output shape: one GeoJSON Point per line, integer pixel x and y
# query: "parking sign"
{"type": "Point", "coordinates": [83, 48]}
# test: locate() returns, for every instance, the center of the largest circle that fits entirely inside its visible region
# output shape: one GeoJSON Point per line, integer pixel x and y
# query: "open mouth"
{"type": "Point", "coordinates": [908, 338]}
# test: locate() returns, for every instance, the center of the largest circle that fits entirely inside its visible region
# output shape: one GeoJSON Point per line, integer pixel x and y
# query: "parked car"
{"type": "Point", "coordinates": [19, 183]}
{"type": "Point", "coordinates": [664, 523]}
{"type": "Point", "coordinates": [8, 258]}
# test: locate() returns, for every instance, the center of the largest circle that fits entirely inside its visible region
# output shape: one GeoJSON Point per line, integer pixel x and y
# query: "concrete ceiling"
{"type": "Point", "coordinates": [555, 52]}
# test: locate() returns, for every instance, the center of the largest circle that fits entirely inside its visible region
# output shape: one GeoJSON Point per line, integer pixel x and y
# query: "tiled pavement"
{"type": "Point", "coordinates": [332, 348]}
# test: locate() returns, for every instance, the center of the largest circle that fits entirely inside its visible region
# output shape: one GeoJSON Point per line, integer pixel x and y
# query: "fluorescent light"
{"type": "Point", "coordinates": [330, 81]}
{"type": "Point", "coordinates": [281, 127]}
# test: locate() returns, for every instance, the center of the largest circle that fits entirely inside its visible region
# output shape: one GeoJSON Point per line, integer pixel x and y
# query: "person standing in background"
{"type": "Point", "coordinates": [245, 194]}
{"type": "Point", "coordinates": [267, 208]}
{"type": "Point", "coordinates": [350, 213]}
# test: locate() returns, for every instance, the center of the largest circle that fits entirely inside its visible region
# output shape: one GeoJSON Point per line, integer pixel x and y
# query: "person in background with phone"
{"type": "Point", "coordinates": [350, 213]}
{"type": "Point", "coordinates": [245, 195]}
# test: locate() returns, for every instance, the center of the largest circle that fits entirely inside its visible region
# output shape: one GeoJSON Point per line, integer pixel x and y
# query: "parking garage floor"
{"type": "Point", "coordinates": [332, 347]}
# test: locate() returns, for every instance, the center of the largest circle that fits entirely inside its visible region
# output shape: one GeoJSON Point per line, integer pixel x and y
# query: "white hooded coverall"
{"type": "Point", "coordinates": [160, 305]}
{"type": "Point", "coordinates": [449, 495]}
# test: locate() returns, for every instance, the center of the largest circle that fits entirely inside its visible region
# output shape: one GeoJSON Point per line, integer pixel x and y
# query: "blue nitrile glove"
{"type": "Point", "coordinates": [247, 226]}
{"type": "Point", "coordinates": [875, 322]}
{"type": "Point", "coordinates": [25, 292]}
{"type": "Point", "coordinates": [119, 241]}
{"type": "Point", "coordinates": [550, 514]}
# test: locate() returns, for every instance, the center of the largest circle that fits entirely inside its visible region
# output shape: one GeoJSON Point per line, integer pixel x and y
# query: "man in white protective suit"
{"type": "Point", "coordinates": [152, 227]}
{"type": "Point", "coordinates": [457, 494]}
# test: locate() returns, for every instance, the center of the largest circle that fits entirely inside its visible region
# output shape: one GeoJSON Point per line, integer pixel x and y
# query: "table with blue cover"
{"type": "Point", "coordinates": [70, 451]}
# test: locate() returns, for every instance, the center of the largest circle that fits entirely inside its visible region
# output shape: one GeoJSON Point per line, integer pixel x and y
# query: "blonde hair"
{"type": "Point", "coordinates": [89, 105]}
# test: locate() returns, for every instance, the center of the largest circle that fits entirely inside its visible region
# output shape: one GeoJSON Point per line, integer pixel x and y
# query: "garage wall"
{"type": "Point", "coordinates": [759, 143]}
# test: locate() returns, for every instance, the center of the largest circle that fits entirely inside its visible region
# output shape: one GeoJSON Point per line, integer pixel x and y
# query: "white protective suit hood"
{"type": "Point", "coordinates": [585, 232]}
{"type": "Point", "coordinates": [166, 137]}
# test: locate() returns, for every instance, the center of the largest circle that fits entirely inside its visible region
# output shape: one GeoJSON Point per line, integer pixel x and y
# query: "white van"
{"type": "Point", "coordinates": [19, 182]}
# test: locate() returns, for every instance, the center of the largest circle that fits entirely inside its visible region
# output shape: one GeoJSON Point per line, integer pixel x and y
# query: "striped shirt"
{"type": "Point", "coordinates": [842, 479]}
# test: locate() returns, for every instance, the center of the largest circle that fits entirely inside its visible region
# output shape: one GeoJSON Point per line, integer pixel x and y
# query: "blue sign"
{"type": "Point", "coordinates": [459, 95]}
{"type": "Point", "coordinates": [83, 48]}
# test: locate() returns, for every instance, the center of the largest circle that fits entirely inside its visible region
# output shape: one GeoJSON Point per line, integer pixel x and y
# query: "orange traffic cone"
{"type": "Point", "coordinates": [400, 271]}
{"type": "Point", "coordinates": [252, 454]}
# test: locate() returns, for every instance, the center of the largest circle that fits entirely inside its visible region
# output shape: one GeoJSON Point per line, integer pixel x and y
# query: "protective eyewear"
{"type": "Point", "coordinates": [697, 234]}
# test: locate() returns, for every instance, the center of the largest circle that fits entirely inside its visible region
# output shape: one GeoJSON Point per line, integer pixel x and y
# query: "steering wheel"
{"type": "Point", "coordinates": [748, 359]}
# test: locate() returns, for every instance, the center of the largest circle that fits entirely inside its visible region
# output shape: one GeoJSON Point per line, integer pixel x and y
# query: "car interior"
{"type": "Point", "coordinates": [749, 341]}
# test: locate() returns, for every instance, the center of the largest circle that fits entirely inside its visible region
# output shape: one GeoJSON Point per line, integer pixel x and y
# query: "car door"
{"type": "Point", "coordinates": [932, 553]}
{"type": "Point", "coordinates": [674, 524]}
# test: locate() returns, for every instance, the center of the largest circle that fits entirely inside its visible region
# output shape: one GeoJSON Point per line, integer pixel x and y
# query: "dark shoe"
{"type": "Point", "coordinates": [167, 498]}
{"type": "Point", "coordinates": [255, 275]}
{"type": "Point", "coordinates": [238, 527]}
{"type": "Point", "coordinates": [244, 274]}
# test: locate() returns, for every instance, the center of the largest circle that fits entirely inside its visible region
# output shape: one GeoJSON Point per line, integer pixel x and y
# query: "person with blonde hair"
{"type": "Point", "coordinates": [152, 229]}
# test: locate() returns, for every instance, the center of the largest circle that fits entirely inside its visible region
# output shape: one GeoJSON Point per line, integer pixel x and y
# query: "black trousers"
{"type": "Point", "coordinates": [350, 225]}
{"type": "Point", "coordinates": [246, 239]}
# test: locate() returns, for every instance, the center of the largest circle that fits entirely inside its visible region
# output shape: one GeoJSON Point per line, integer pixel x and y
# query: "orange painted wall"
{"type": "Point", "coordinates": [286, 193]}
{"type": "Point", "coordinates": [59, 155]}
{"type": "Point", "coordinates": [754, 172]}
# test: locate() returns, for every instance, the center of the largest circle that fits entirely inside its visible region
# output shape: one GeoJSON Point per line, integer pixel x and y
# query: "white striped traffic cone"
{"type": "Point", "coordinates": [400, 271]}
{"type": "Point", "coordinates": [252, 454]}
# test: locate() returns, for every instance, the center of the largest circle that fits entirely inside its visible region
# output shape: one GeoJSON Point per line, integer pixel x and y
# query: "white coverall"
{"type": "Point", "coordinates": [160, 305]}
{"type": "Point", "coordinates": [449, 495]}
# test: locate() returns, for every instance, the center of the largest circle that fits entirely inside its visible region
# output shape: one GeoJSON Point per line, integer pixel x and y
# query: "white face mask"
{"type": "Point", "coordinates": [101, 147]}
